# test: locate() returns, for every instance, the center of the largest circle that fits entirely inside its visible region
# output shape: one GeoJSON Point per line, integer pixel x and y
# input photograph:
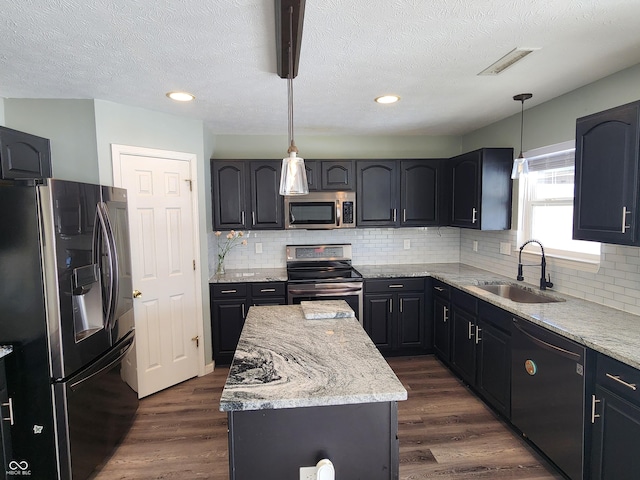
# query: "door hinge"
{"type": "Point", "coordinates": [194, 265]}
{"type": "Point", "coordinates": [190, 185]}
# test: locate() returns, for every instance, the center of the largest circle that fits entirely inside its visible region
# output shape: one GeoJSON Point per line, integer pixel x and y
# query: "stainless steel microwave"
{"type": "Point", "coordinates": [320, 210]}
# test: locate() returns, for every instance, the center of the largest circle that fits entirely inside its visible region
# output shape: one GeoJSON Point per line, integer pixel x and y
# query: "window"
{"type": "Point", "coordinates": [547, 205]}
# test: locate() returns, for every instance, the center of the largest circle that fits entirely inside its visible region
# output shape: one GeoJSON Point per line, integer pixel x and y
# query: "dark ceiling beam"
{"type": "Point", "coordinates": [282, 35]}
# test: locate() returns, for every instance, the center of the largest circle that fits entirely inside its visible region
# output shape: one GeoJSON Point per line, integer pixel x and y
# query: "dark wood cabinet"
{"type": "Point", "coordinates": [463, 343]}
{"type": "Point", "coordinates": [395, 317]}
{"type": "Point", "coordinates": [615, 417]}
{"type": "Point", "coordinates": [481, 189]}
{"type": "Point", "coordinates": [229, 304]}
{"type": "Point", "coordinates": [378, 186]}
{"type": "Point", "coordinates": [330, 175]}
{"type": "Point", "coordinates": [312, 169]}
{"type": "Point", "coordinates": [245, 195]}
{"type": "Point", "coordinates": [606, 176]}
{"type": "Point", "coordinates": [23, 156]}
{"type": "Point", "coordinates": [420, 192]}
{"type": "Point", "coordinates": [441, 321]}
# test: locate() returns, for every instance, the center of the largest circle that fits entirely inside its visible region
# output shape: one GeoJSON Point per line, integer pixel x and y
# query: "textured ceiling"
{"type": "Point", "coordinates": [427, 51]}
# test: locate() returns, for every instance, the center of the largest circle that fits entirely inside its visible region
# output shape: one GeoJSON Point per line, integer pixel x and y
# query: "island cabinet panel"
{"type": "Point", "coordinates": [360, 440]}
{"type": "Point", "coordinates": [245, 195]}
{"type": "Point", "coordinates": [615, 419]}
{"type": "Point", "coordinates": [23, 156]}
{"type": "Point", "coordinates": [442, 321]}
{"type": "Point", "coordinates": [395, 316]}
{"type": "Point", "coordinates": [481, 189]}
{"type": "Point", "coordinates": [606, 176]}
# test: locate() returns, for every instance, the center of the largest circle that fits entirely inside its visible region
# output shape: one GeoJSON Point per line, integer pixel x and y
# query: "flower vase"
{"type": "Point", "coordinates": [220, 268]}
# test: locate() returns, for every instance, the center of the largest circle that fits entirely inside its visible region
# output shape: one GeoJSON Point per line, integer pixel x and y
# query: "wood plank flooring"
{"type": "Point", "coordinates": [445, 433]}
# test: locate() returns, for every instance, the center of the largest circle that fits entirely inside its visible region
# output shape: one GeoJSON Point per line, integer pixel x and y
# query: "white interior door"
{"type": "Point", "coordinates": [168, 317]}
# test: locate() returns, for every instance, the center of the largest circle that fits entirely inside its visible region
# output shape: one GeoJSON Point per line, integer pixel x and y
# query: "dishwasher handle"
{"type": "Point", "coordinates": [547, 346]}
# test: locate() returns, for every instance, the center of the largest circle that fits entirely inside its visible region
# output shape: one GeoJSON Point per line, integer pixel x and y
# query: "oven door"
{"type": "Point", "coordinates": [351, 292]}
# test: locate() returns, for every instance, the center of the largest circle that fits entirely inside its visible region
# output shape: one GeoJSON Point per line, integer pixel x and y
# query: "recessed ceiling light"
{"type": "Point", "coordinates": [181, 96]}
{"type": "Point", "coordinates": [388, 99]}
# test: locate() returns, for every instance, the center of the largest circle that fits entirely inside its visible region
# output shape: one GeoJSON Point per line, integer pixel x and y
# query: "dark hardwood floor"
{"type": "Point", "coordinates": [445, 433]}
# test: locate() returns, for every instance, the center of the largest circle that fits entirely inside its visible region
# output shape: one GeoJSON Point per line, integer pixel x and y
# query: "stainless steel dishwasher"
{"type": "Point", "coordinates": [548, 392]}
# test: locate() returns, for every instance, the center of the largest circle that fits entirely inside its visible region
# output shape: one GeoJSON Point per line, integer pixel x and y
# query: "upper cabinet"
{"type": "Point", "coordinates": [421, 191]}
{"type": "Point", "coordinates": [23, 156]}
{"type": "Point", "coordinates": [378, 186]}
{"type": "Point", "coordinates": [246, 195]}
{"type": "Point", "coordinates": [481, 189]}
{"type": "Point", "coordinates": [606, 176]}
{"type": "Point", "coordinates": [330, 175]}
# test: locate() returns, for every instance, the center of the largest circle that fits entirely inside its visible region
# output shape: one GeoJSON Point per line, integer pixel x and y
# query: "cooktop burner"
{"type": "Point", "coordinates": [316, 263]}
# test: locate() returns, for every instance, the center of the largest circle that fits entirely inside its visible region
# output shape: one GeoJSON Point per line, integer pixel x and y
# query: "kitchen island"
{"type": "Point", "coordinates": [303, 389]}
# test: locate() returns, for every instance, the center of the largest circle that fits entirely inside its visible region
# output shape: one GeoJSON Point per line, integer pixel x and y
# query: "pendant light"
{"type": "Point", "coordinates": [293, 178]}
{"type": "Point", "coordinates": [520, 164]}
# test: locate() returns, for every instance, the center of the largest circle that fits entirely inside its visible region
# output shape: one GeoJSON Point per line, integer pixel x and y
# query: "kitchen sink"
{"type": "Point", "coordinates": [519, 294]}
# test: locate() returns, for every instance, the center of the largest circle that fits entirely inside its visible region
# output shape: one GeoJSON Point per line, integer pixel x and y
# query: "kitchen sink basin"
{"type": "Point", "coordinates": [519, 294]}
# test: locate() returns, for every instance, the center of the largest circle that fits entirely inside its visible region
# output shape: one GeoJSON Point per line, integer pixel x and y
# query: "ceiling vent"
{"type": "Point", "coordinates": [505, 62]}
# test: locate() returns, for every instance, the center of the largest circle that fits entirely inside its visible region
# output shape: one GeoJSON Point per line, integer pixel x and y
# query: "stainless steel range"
{"type": "Point", "coordinates": [323, 272]}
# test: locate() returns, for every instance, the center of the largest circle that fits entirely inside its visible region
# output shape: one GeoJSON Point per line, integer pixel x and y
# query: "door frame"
{"type": "Point", "coordinates": [117, 151]}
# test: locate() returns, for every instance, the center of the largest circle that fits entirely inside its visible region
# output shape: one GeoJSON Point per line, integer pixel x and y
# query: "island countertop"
{"type": "Point", "coordinates": [286, 361]}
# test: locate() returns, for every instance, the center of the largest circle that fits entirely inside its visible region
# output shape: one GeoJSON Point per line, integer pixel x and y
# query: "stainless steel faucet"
{"type": "Point", "coordinates": [544, 283]}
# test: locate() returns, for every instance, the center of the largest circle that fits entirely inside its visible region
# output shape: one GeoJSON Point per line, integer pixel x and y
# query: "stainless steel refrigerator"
{"type": "Point", "coordinates": [66, 308]}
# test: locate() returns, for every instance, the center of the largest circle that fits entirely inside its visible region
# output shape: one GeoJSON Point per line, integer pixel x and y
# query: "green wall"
{"type": "Point", "coordinates": [2, 112]}
{"type": "Point", "coordinates": [69, 124]}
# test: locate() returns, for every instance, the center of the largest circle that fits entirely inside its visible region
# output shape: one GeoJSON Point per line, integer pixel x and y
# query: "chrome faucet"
{"type": "Point", "coordinates": [544, 283]}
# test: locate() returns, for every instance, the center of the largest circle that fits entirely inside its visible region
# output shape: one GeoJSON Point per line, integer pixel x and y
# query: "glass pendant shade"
{"type": "Point", "coordinates": [293, 178]}
{"type": "Point", "coordinates": [520, 167]}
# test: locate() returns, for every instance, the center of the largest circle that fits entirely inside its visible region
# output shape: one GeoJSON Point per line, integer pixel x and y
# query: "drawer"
{"type": "Point", "coordinates": [394, 285]}
{"type": "Point", "coordinates": [441, 289]}
{"type": "Point", "coordinates": [224, 290]}
{"type": "Point", "coordinates": [268, 289]}
{"type": "Point", "coordinates": [619, 378]}
{"type": "Point", "coordinates": [464, 301]}
{"type": "Point", "coordinates": [495, 316]}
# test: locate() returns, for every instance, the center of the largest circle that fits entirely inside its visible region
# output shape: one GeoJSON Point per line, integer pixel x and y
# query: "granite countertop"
{"type": "Point", "coordinates": [5, 350]}
{"type": "Point", "coordinates": [285, 361]}
{"type": "Point", "coordinates": [253, 275]}
{"type": "Point", "coordinates": [604, 329]}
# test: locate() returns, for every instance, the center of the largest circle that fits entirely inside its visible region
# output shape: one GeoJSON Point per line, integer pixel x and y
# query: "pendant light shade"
{"type": "Point", "coordinates": [293, 177]}
{"type": "Point", "coordinates": [520, 164]}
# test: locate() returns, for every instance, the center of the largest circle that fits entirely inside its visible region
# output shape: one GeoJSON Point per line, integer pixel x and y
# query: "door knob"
{"type": "Point", "coordinates": [137, 294]}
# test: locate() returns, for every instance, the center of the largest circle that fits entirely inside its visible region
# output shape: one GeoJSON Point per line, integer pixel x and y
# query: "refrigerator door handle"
{"type": "Point", "coordinates": [115, 267]}
{"type": "Point", "coordinates": [107, 236]}
{"type": "Point", "coordinates": [123, 348]}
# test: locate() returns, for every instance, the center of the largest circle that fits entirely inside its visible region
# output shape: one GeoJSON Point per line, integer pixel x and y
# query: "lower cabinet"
{"type": "Point", "coordinates": [395, 316]}
{"type": "Point", "coordinates": [229, 304]}
{"type": "Point", "coordinates": [615, 417]}
{"type": "Point", "coordinates": [441, 321]}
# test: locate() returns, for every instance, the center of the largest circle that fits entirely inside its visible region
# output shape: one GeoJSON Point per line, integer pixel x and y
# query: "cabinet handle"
{"type": "Point", "coordinates": [440, 289]}
{"type": "Point", "coordinates": [625, 212]}
{"type": "Point", "coordinates": [445, 314]}
{"type": "Point", "coordinates": [404, 215]}
{"type": "Point", "coordinates": [470, 330]}
{"type": "Point", "coordinates": [253, 218]}
{"type": "Point", "coordinates": [401, 305]}
{"type": "Point", "coordinates": [10, 405]}
{"type": "Point", "coordinates": [395, 214]}
{"type": "Point", "coordinates": [594, 415]}
{"type": "Point", "coordinates": [242, 217]}
{"type": "Point", "coordinates": [396, 285]}
{"type": "Point", "coordinates": [390, 306]}
{"type": "Point", "coordinates": [617, 378]}
{"type": "Point", "coordinates": [473, 215]}
{"type": "Point", "coordinates": [243, 315]}
{"type": "Point", "coordinates": [229, 291]}
{"type": "Point", "coordinates": [478, 330]}
{"type": "Point", "coordinates": [265, 290]}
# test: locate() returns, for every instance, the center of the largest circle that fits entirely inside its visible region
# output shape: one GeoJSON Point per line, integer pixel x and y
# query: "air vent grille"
{"type": "Point", "coordinates": [505, 62]}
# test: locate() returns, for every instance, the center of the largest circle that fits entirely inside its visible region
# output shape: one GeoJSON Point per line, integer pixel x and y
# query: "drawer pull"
{"type": "Point", "coordinates": [229, 291]}
{"type": "Point", "coordinates": [594, 415]}
{"type": "Point", "coordinates": [266, 290]}
{"type": "Point", "coordinates": [396, 285]}
{"type": "Point", "coordinates": [440, 289]}
{"type": "Point", "coordinates": [10, 405]}
{"type": "Point", "coordinates": [617, 378]}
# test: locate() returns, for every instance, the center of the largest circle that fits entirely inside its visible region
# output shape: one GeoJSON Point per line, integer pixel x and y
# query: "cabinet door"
{"type": "Point", "coordinates": [338, 175]}
{"type": "Point", "coordinates": [411, 332]}
{"type": "Point", "coordinates": [494, 366]}
{"type": "Point", "coordinates": [228, 185]}
{"type": "Point", "coordinates": [463, 351]}
{"type": "Point", "coordinates": [616, 437]}
{"type": "Point", "coordinates": [442, 332]}
{"type": "Point", "coordinates": [23, 155]}
{"type": "Point", "coordinates": [377, 188]}
{"type": "Point", "coordinates": [419, 192]}
{"type": "Point", "coordinates": [266, 202]}
{"type": "Point", "coordinates": [312, 169]}
{"type": "Point", "coordinates": [465, 210]}
{"type": "Point", "coordinates": [228, 320]}
{"type": "Point", "coordinates": [378, 320]}
{"type": "Point", "coordinates": [606, 176]}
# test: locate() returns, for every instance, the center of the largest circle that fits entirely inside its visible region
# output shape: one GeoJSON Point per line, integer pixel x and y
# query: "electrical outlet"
{"type": "Point", "coordinates": [475, 245]}
{"type": "Point", "coordinates": [407, 244]}
{"type": "Point", "coordinates": [258, 247]}
{"type": "Point", "coordinates": [308, 473]}
{"type": "Point", "coordinates": [505, 248]}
